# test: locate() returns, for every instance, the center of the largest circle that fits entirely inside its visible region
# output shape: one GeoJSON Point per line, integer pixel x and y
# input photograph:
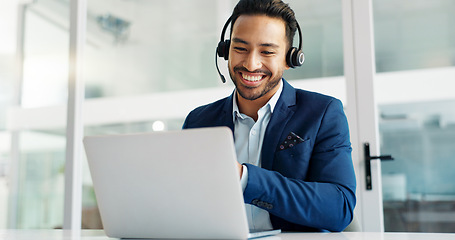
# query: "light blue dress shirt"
{"type": "Point", "coordinates": [249, 136]}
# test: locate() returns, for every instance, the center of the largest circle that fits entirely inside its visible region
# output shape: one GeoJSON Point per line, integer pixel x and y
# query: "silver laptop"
{"type": "Point", "coordinates": [175, 184]}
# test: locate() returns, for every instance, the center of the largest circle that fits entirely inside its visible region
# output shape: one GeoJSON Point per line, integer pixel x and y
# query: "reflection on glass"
{"type": "Point", "coordinates": [38, 199]}
{"type": "Point", "coordinates": [141, 47]}
{"type": "Point", "coordinates": [7, 70]}
{"type": "Point", "coordinates": [322, 39]}
{"type": "Point", "coordinates": [46, 43]}
{"type": "Point", "coordinates": [413, 34]}
{"type": "Point", "coordinates": [418, 191]}
{"type": "Point", "coordinates": [41, 180]}
{"type": "Point", "coordinates": [4, 164]}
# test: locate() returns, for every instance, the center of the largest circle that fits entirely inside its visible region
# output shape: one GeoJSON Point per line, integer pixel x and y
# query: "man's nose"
{"type": "Point", "coordinates": [252, 62]}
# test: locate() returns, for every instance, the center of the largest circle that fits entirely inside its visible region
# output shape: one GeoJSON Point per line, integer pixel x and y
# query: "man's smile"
{"type": "Point", "coordinates": [251, 77]}
{"type": "Point", "coordinates": [251, 80]}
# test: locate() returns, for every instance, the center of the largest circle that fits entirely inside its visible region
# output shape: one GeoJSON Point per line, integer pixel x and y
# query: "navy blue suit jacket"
{"type": "Point", "coordinates": [307, 187]}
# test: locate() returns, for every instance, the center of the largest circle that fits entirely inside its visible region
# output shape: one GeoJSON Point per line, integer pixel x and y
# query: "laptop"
{"type": "Point", "coordinates": [174, 184]}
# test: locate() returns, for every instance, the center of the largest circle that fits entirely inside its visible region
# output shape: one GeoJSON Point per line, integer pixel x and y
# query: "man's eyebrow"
{"type": "Point", "coordinates": [238, 40]}
{"type": "Point", "coordinates": [273, 45]}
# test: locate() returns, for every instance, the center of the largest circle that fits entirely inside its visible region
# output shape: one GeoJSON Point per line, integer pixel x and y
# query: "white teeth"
{"type": "Point", "coordinates": [251, 78]}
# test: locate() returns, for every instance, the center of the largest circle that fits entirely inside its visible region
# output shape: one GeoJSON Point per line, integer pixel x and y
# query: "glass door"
{"type": "Point", "coordinates": [415, 63]}
{"type": "Point", "coordinates": [36, 120]}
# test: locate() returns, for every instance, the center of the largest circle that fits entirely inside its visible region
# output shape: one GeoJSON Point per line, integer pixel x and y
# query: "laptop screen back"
{"type": "Point", "coordinates": [177, 184]}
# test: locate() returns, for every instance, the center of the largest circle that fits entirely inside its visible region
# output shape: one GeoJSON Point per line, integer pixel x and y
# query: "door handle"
{"type": "Point", "coordinates": [368, 158]}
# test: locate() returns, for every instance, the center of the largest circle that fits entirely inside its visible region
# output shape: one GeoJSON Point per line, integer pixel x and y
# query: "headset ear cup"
{"type": "Point", "coordinates": [220, 49]}
{"type": "Point", "coordinates": [298, 58]}
{"type": "Point", "coordinates": [290, 56]}
{"type": "Point", "coordinates": [227, 45]}
{"type": "Point", "coordinates": [223, 49]}
{"type": "Point", "coordinates": [295, 58]}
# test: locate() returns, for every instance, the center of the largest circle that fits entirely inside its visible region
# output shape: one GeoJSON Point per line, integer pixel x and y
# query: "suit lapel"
{"type": "Point", "coordinates": [282, 113]}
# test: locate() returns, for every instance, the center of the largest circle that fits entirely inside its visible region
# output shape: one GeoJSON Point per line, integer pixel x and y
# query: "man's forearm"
{"type": "Point", "coordinates": [322, 205]}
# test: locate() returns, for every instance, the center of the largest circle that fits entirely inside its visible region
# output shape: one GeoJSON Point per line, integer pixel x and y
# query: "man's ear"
{"type": "Point", "coordinates": [286, 64]}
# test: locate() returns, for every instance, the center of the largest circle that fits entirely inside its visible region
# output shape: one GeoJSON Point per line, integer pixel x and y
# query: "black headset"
{"type": "Point", "coordinates": [294, 57]}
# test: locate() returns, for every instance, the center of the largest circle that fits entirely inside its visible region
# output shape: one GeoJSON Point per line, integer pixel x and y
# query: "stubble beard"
{"type": "Point", "coordinates": [248, 92]}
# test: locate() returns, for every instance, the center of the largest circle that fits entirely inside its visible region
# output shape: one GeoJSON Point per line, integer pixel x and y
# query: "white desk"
{"type": "Point", "coordinates": [99, 235]}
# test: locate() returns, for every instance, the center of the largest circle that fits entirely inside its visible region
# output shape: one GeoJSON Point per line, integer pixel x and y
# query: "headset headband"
{"type": "Point", "coordinates": [223, 32]}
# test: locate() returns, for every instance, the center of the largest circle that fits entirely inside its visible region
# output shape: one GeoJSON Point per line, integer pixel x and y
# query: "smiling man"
{"type": "Point", "coordinates": [257, 60]}
{"type": "Point", "coordinates": [292, 145]}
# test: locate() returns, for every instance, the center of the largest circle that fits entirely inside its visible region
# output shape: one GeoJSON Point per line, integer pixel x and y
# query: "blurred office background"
{"type": "Point", "coordinates": [148, 62]}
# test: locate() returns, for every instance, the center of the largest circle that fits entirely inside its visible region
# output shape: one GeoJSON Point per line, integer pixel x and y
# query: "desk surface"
{"type": "Point", "coordinates": [99, 235]}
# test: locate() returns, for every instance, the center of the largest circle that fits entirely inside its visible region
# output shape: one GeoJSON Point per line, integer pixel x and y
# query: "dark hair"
{"type": "Point", "coordinates": [270, 8]}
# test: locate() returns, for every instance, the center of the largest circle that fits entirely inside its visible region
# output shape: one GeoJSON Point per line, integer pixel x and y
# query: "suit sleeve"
{"type": "Point", "coordinates": [324, 197]}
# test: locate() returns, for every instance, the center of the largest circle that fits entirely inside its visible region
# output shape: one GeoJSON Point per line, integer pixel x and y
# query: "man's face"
{"type": "Point", "coordinates": [257, 55]}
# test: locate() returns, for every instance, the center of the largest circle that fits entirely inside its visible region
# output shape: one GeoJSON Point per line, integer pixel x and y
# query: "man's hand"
{"type": "Point", "coordinates": [240, 168]}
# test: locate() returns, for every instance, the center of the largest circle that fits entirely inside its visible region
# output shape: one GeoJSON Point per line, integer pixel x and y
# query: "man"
{"type": "Point", "coordinates": [293, 145]}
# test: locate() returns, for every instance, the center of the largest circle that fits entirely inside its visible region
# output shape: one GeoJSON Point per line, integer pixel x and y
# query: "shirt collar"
{"type": "Point", "coordinates": [272, 102]}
